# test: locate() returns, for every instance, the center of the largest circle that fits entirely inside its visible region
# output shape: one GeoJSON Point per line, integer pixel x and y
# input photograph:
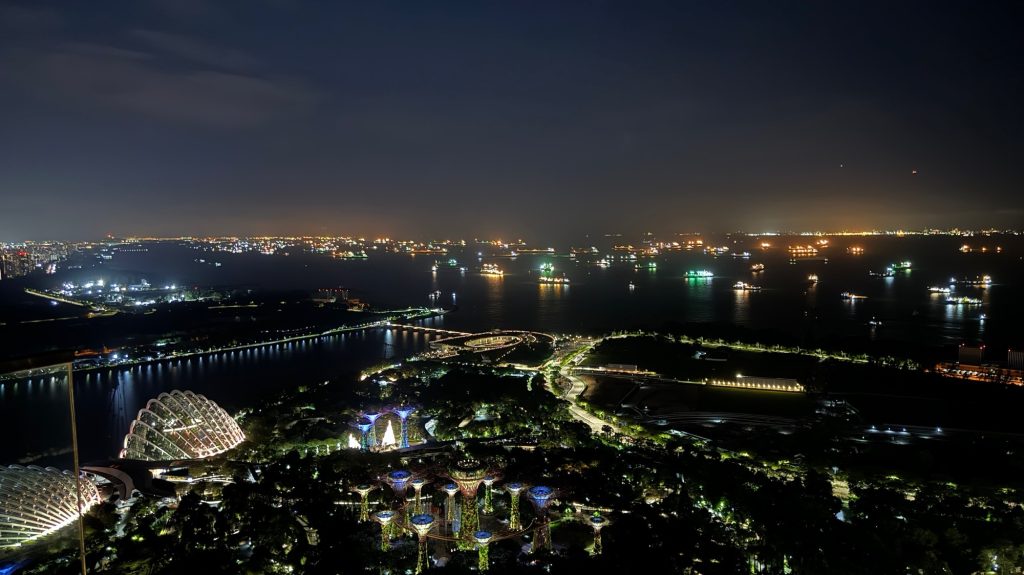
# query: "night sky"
{"type": "Point", "coordinates": [540, 119]}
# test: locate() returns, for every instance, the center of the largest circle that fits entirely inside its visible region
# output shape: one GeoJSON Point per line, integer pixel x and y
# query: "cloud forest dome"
{"type": "Point", "coordinates": [35, 502]}
{"type": "Point", "coordinates": [181, 425]}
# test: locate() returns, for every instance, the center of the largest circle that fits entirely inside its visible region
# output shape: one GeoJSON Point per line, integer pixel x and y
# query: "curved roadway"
{"type": "Point", "coordinates": [566, 363]}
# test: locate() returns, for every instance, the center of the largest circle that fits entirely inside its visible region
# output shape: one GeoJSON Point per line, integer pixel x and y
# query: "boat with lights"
{"type": "Point", "coordinates": [963, 301]}
{"type": "Point", "coordinates": [547, 275]}
{"type": "Point", "coordinates": [491, 270]}
{"type": "Point", "coordinates": [698, 274]}
{"type": "Point", "coordinates": [553, 279]}
{"type": "Point", "coordinates": [450, 263]}
{"type": "Point", "coordinates": [887, 273]}
{"type": "Point", "coordinates": [348, 255]}
{"type": "Point", "coordinates": [983, 281]}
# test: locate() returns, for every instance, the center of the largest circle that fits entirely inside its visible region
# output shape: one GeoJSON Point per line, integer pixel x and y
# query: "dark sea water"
{"type": "Point", "coordinates": [32, 413]}
{"type": "Point", "coordinates": [599, 299]}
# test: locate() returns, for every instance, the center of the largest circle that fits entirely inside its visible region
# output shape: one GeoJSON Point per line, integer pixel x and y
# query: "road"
{"type": "Point", "coordinates": [566, 362]}
{"type": "Point", "coordinates": [57, 297]}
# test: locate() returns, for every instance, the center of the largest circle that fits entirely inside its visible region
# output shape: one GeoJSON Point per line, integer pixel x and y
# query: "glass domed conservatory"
{"type": "Point", "coordinates": [36, 501]}
{"type": "Point", "coordinates": [180, 425]}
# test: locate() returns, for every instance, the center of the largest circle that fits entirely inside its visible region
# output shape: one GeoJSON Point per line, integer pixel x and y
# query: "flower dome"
{"type": "Point", "coordinates": [35, 502]}
{"type": "Point", "coordinates": [180, 425]}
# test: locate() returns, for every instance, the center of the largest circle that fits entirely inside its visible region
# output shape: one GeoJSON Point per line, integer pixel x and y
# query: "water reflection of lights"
{"type": "Point", "coordinates": [954, 312]}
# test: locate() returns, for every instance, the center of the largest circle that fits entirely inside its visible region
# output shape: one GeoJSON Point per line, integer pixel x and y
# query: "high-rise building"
{"type": "Point", "coordinates": [1015, 360]}
{"type": "Point", "coordinates": [16, 263]}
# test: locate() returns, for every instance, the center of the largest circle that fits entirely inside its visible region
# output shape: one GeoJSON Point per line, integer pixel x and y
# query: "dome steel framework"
{"type": "Point", "coordinates": [36, 501]}
{"type": "Point", "coordinates": [181, 425]}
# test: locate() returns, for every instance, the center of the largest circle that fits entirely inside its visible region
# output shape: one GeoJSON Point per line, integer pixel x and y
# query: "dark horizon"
{"type": "Point", "coordinates": [534, 119]}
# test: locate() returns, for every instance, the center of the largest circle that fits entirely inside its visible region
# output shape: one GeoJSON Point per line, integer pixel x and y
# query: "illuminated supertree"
{"type": "Point", "coordinates": [364, 425]}
{"type": "Point", "coordinates": [483, 539]}
{"type": "Point", "coordinates": [373, 416]}
{"type": "Point", "coordinates": [364, 489]}
{"type": "Point", "coordinates": [449, 509]}
{"type": "Point", "coordinates": [597, 521]}
{"type": "Point", "coordinates": [461, 527]}
{"type": "Point", "coordinates": [488, 483]}
{"type": "Point", "coordinates": [417, 485]}
{"type": "Point", "coordinates": [540, 496]}
{"type": "Point", "coordinates": [384, 517]}
{"type": "Point", "coordinates": [514, 489]}
{"type": "Point", "coordinates": [468, 474]}
{"type": "Point", "coordinates": [403, 414]}
{"type": "Point", "coordinates": [421, 523]}
{"type": "Point", "coordinates": [399, 482]}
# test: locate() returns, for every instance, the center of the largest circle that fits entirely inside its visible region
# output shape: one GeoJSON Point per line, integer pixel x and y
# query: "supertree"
{"type": "Point", "coordinates": [417, 485]}
{"type": "Point", "coordinates": [373, 416]}
{"type": "Point", "coordinates": [462, 526]}
{"type": "Point", "coordinates": [468, 474]}
{"type": "Point", "coordinates": [514, 489]}
{"type": "Point", "coordinates": [597, 521]}
{"type": "Point", "coordinates": [403, 414]}
{"type": "Point", "coordinates": [449, 509]}
{"type": "Point", "coordinates": [399, 482]}
{"type": "Point", "coordinates": [421, 523]}
{"type": "Point", "coordinates": [364, 425]}
{"type": "Point", "coordinates": [384, 517]}
{"type": "Point", "coordinates": [483, 539]}
{"type": "Point", "coordinates": [540, 496]}
{"type": "Point", "coordinates": [488, 484]}
{"type": "Point", "coordinates": [364, 489]}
